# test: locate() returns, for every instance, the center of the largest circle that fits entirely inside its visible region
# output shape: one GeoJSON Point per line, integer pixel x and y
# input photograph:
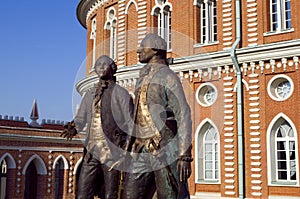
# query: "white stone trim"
{"type": "Point", "coordinates": [39, 164]}
{"type": "Point", "coordinates": [11, 164]}
{"type": "Point", "coordinates": [66, 164]}
{"type": "Point", "coordinates": [268, 137]}
{"type": "Point", "coordinates": [270, 92]}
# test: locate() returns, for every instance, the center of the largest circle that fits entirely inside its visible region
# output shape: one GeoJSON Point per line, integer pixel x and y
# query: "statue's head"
{"type": "Point", "coordinates": [105, 68]}
{"type": "Point", "coordinates": [152, 46]}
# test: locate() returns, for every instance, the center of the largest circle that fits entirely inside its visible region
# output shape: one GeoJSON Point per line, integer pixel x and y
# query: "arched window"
{"type": "Point", "coordinates": [3, 177]}
{"type": "Point", "coordinates": [59, 179]}
{"type": "Point", "coordinates": [93, 37]}
{"type": "Point", "coordinates": [131, 33]}
{"type": "Point", "coordinates": [162, 13]}
{"type": "Point", "coordinates": [111, 26]}
{"type": "Point", "coordinates": [207, 25]}
{"type": "Point", "coordinates": [280, 15]}
{"type": "Point", "coordinates": [31, 179]}
{"type": "Point", "coordinates": [283, 153]}
{"type": "Point", "coordinates": [208, 154]}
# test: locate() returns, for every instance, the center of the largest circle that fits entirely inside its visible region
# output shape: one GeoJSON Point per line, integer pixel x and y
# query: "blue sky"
{"type": "Point", "coordinates": [42, 46]}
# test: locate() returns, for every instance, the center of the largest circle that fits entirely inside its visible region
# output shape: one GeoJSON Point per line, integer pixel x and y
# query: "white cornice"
{"type": "Point", "coordinates": [34, 138]}
{"type": "Point", "coordinates": [86, 83]}
{"type": "Point", "coordinates": [48, 149]}
{"type": "Point", "coordinates": [208, 61]}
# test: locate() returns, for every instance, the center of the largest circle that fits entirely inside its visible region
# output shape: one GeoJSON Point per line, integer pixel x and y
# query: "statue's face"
{"type": "Point", "coordinates": [103, 70]}
{"type": "Point", "coordinates": [145, 52]}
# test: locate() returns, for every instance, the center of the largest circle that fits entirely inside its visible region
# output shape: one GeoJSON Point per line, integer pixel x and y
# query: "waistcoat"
{"type": "Point", "coordinates": [146, 131]}
{"type": "Point", "coordinates": [97, 144]}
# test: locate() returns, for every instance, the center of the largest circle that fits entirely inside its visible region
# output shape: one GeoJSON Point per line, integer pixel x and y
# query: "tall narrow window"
{"type": "Point", "coordinates": [31, 178]}
{"type": "Point", "coordinates": [111, 25]}
{"type": "Point", "coordinates": [211, 154]}
{"type": "Point", "coordinates": [93, 37]}
{"type": "Point", "coordinates": [208, 155]}
{"type": "Point", "coordinates": [59, 179]}
{"type": "Point", "coordinates": [280, 11]}
{"type": "Point", "coordinates": [208, 21]}
{"type": "Point", "coordinates": [3, 176]}
{"type": "Point", "coordinates": [162, 12]}
{"type": "Point", "coordinates": [285, 153]}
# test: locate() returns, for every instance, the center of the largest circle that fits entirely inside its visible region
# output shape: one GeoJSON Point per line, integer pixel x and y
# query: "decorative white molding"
{"type": "Point", "coordinates": [39, 164]}
{"type": "Point", "coordinates": [65, 161]}
{"type": "Point", "coordinates": [11, 164]}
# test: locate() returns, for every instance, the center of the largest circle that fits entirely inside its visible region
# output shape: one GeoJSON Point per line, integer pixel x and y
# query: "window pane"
{"type": "Point", "coordinates": [208, 156]}
{"type": "Point", "coordinates": [208, 174]}
{"type": "Point", "coordinates": [216, 165]}
{"type": "Point", "coordinates": [283, 89]}
{"type": "Point", "coordinates": [208, 165]}
{"type": "Point", "coordinates": [217, 174]}
{"type": "Point", "coordinates": [282, 175]}
{"type": "Point", "coordinates": [208, 147]}
{"type": "Point", "coordinates": [292, 155]}
{"type": "Point", "coordinates": [293, 176]}
{"type": "Point", "coordinates": [291, 133]}
{"type": "Point", "coordinates": [280, 133]}
{"type": "Point", "coordinates": [281, 155]}
{"type": "Point", "coordinates": [280, 145]}
{"type": "Point", "coordinates": [282, 165]}
{"type": "Point", "coordinates": [288, 5]}
{"type": "Point", "coordinates": [274, 8]}
{"type": "Point", "coordinates": [292, 145]}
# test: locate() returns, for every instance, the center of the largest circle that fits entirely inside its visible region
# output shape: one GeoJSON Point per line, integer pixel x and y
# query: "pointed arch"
{"type": "Point", "coordinates": [205, 127]}
{"type": "Point", "coordinates": [161, 7]}
{"type": "Point", "coordinates": [66, 164]}
{"type": "Point", "coordinates": [77, 165]}
{"type": "Point", "coordinates": [161, 13]}
{"type": "Point", "coordinates": [11, 164]}
{"type": "Point", "coordinates": [128, 5]}
{"type": "Point", "coordinates": [39, 164]}
{"type": "Point", "coordinates": [280, 143]}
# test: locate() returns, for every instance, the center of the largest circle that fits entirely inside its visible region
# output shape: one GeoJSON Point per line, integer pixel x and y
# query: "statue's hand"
{"type": "Point", "coordinates": [184, 169]}
{"type": "Point", "coordinates": [69, 131]}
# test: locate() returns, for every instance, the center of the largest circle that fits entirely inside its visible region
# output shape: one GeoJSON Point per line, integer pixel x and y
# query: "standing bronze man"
{"type": "Point", "coordinates": [161, 146]}
{"type": "Point", "coordinates": [106, 109]}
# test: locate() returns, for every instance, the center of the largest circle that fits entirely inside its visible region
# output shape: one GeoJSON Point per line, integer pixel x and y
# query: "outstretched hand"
{"type": "Point", "coordinates": [69, 131]}
{"type": "Point", "coordinates": [184, 169]}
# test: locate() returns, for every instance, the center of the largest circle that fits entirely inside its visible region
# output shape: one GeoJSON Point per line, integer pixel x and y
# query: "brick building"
{"type": "Point", "coordinates": [35, 161]}
{"type": "Point", "coordinates": [238, 62]}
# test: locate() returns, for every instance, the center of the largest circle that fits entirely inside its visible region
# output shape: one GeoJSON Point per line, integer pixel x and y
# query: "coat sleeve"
{"type": "Point", "coordinates": [83, 111]}
{"type": "Point", "coordinates": [124, 114]}
{"type": "Point", "coordinates": [177, 102]}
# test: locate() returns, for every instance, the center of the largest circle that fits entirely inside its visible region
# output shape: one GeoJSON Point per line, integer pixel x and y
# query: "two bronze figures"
{"type": "Point", "coordinates": [149, 141]}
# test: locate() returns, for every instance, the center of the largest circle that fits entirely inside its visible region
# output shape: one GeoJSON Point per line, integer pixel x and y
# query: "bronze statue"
{"type": "Point", "coordinates": [161, 142]}
{"type": "Point", "coordinates": [105, 112]}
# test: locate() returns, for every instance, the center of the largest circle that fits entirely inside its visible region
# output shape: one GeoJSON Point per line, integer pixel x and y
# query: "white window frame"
{"type": "Point", "coordinates": [202, 92]}
{"type": "Point", "coordinates": [273, 87]}
{"type": "Point", "coordinates": [280, 14]}
{"type": "Point", "coordinates": [111, 25]}
{"type": "Point", "coordinates": [200, 142]}
{"type": "Point", "coordinates": [272, 151]}
{"type": "Point", "coordinates": [287, 140]}
{"type": "Point", "coordinates": [208, 35]}
{"type": "Point", "coordinates": [93, 37]}
{"type": "Point", "coordinates": [162, 10]}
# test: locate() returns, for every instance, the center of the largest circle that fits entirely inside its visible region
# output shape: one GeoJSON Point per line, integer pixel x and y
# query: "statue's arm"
{"type": "Point", "coordinates": [72, 128]}
{"type": "Point", "coordinates": [178, 103]}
